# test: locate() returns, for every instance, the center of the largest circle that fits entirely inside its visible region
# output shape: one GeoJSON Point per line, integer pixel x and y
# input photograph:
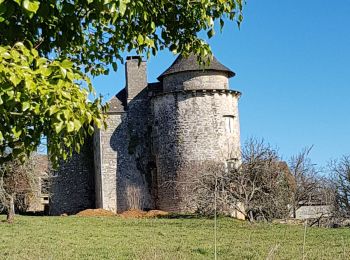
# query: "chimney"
{"type": "Point", "coordinates": [135, 75]}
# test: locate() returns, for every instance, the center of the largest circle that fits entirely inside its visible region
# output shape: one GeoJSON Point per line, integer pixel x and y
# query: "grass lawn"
{"type": "Point", "coordinates": [115, 238]}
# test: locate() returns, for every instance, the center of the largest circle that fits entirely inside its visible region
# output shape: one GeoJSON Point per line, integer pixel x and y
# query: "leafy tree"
{"type": "Point", "coordinates": [41, 97]}
{"type": "Point", "coordinates": [46, 44]}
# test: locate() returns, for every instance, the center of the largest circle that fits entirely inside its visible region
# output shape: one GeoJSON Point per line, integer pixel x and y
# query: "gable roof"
{"type": "Point", "coordinates": [190, 63]}
{"type": "Point", "coordinates": [117, 104]}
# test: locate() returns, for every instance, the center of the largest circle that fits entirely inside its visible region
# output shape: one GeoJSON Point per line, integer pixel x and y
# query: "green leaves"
{"type": "Point", "coordinates": [94, 34]}
{"type": "Point", "coordinates": [211, 33]}
{"type": "Point", "coordinates": [67, 64]}
{"type": "Point", "coordinates": [70, 126]}
{"type": "Point", "coordinates": [122, 6]}
{"type": "Point", "coordinates": [31, 6]}
{"type": "Point", "coordinates": [25, 106]}
{"type": "Point", "coordinates": [58, 127]}
{"type": "Point", "coordinates": [44, 46]}
{"type": "Point", "coordinates": [39, 99]}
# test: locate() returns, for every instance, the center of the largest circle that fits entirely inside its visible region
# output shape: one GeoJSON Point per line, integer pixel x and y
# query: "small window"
{"type": "Point", "coordinates": [231, 164]}
{"type": "Point", "coordinates": [229, 123]}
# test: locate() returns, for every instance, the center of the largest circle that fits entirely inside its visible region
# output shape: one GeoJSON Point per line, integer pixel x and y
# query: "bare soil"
{"type": "Point", "coordinates": [96, 213]}
{"type": "Point", "coordinates": [134, 213]}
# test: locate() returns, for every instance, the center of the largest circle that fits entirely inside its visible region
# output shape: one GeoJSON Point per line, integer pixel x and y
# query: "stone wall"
{"type": "Point", "coordinates": [136, 77]}
{"type": "Point", "coordinates": [195, 80]}
{"type": "Point", "coordinates": [152, 143]}
{"type": "Point", "coordinates": [72, 188]}
{"type": "Point", "coordinates": [129, 142]}
{"type": "Point", "coordinates": [106, 165]}
{"type": "Point", "coordinates": [313, 211]}
{"type": "Point", "coordinates": [190, 127]}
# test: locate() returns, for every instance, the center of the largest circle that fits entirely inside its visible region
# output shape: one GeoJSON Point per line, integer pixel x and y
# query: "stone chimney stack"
{"type": "Point", "coordinates": [135, 76]}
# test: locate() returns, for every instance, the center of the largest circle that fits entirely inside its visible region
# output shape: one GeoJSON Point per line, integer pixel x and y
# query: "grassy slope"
{"type": "Point", "coordinates": [115, 238]}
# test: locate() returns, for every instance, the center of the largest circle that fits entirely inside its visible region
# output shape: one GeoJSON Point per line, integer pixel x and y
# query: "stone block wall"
{"type": "Point", "coordinates": [72, 188]}
{"type": "Point", "coordinates": [129, 142]}
{"type": "Point", "coordinates": [136, 77]}
{"type": "Point", "coordinates": [195, 80]}
{"type": "Point", "coordinates": [152, 143]}
{"type": "Point", "coordinates": [106, 165]}
{"type": "Point", "coordinates": [190, 128]}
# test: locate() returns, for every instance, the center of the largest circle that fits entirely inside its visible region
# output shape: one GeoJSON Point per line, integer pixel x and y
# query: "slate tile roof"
{"type": "Point", "coordinates": [118, 103]}
{"type": "Point", "coordinates": [182, 64]}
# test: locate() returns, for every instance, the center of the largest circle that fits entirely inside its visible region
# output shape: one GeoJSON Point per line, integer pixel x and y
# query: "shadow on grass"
{"type": "Point", "coordinates": [30, 213]}
{"type": "Point", "coordinates": [185, 216]}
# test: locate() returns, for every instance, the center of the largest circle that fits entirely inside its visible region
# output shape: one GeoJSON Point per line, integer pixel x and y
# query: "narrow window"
{"type": "Point", "coordinates": [229, 124]}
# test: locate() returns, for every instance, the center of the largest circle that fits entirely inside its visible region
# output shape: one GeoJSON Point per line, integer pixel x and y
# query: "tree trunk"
{"type": "Point", "coordinates": [11, 210]}
{"type": "Point", "coordinates": [294, 210]}
{"type": "Point", "coordinates": [251, 216]}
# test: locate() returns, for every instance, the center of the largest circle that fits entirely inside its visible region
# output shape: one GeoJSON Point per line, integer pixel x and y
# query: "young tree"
{"type": "Point", "coordinates": [17, 180]}
{"type": "Point", "coordinates": [46, 44]}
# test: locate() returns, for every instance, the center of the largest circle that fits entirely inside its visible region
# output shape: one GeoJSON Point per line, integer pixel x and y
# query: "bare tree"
{"type": "Point", "coordinates": [309, 186]}
{"type": "Point", "coordinates": [257, 188]}
{"type": "Point", "coordinates": [340, 174]}
{"type": "Point", "coordinates": [17, 180]}
{"type": "Point", "coordinates": [197, 184]}
{"type": "Point", "coordinates": [261, 183]}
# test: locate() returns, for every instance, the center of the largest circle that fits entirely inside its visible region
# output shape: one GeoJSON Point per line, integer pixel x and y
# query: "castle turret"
{"type": "Point", "coordinates": [195, 126]}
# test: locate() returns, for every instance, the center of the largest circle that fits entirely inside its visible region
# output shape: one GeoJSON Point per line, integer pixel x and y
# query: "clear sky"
{"type": "Point", "coordinates": [292, 60]}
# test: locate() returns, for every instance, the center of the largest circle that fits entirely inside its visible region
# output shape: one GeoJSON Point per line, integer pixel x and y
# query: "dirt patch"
{"type": "Point", "coordinates": [156, 213]}
{"type": "Point", "coordinates": [135, 213]}
{"type": "Point", "coordinates": [96, 213]}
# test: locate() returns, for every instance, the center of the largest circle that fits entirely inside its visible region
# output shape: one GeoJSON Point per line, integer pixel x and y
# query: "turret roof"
{"type": "Point", "coordinates": [190, 63]}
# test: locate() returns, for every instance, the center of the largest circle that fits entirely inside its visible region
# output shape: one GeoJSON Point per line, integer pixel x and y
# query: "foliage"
{"type": "Point", "coordinates": [42, 97]}
{"type": "Point", "coordinates": [176, 238]}
{"type": "Point", "coordinates": [94, 33]}
{"type": "Point", "coordinates": [44, 44]}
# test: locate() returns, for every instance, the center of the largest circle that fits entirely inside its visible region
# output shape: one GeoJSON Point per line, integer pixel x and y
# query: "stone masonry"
{"type": "Point", "coordinates": [72, 187]}
{"type": "Point", "coordinates": [155, 132]}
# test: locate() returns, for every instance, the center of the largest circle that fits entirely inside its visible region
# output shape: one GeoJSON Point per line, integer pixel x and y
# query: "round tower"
{"type": "Point", "coordinates": [195, 128]}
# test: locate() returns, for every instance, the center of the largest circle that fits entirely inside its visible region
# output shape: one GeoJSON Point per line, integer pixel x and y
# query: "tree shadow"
{"type": "Point", "coordinates": [185, 216]}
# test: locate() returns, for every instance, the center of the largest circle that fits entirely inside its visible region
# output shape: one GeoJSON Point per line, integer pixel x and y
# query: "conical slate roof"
{"type": "Point", "coordinates": [182, 64]}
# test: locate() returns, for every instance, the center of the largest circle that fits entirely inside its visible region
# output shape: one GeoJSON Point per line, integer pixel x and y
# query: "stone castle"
{"type": "Point", "coordinates": [155, 132]}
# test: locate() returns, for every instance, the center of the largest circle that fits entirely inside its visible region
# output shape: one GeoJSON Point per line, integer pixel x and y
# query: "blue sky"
{"type": "Point", "coordinates": [292, 60]}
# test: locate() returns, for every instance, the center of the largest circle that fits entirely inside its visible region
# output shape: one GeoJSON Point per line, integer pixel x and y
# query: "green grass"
{"type": "Point", "coordinates": [115, 238]}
